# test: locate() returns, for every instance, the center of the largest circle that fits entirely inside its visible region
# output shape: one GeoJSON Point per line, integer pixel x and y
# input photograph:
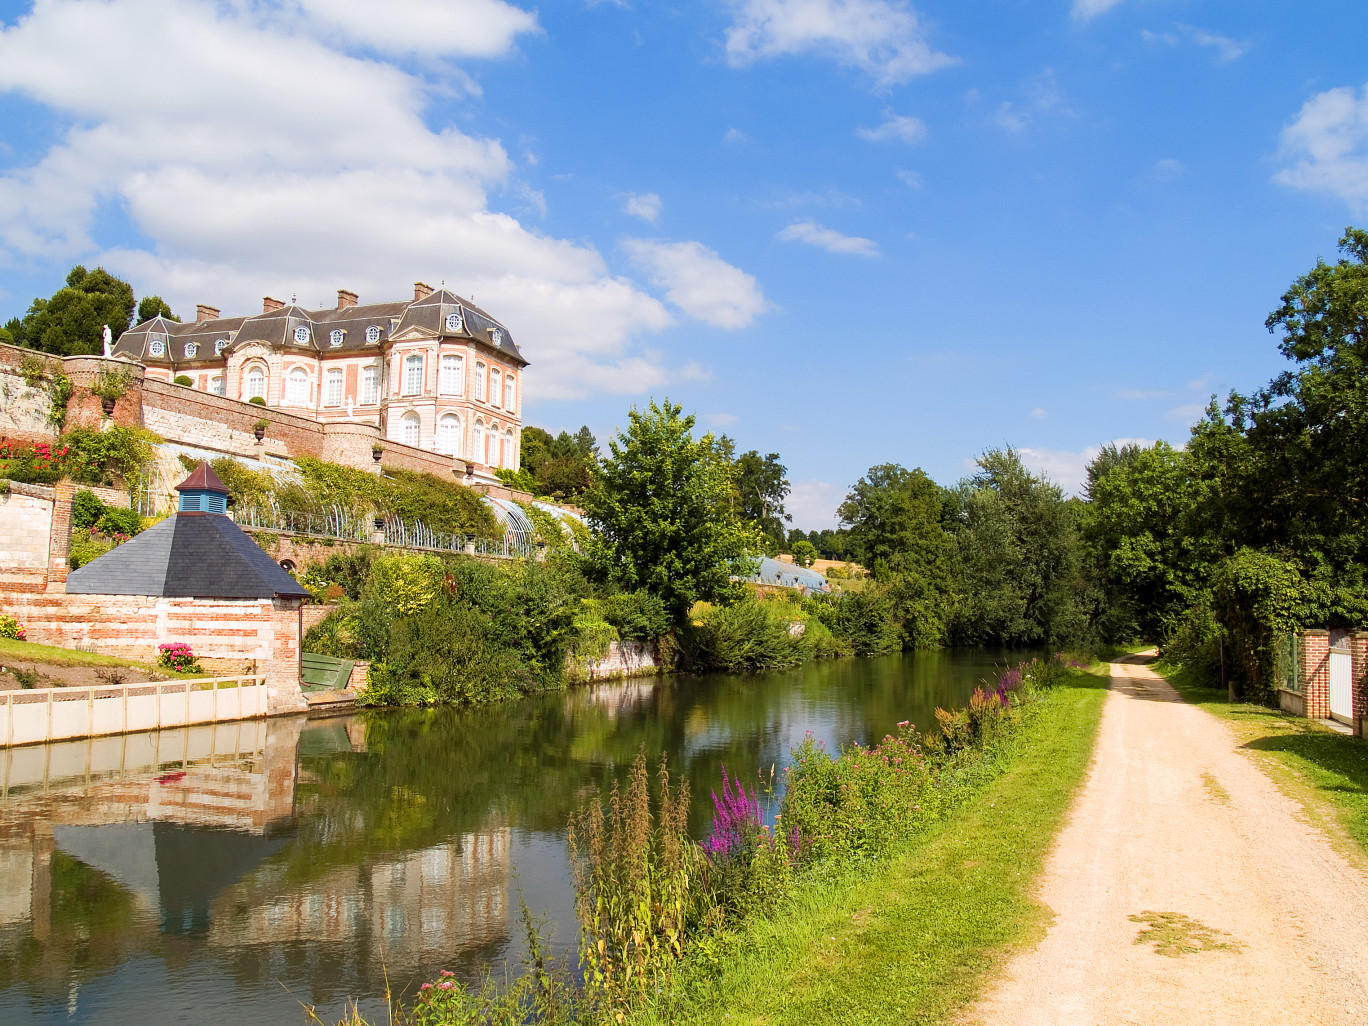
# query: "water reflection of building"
{"type": "Point", "coordinates": [435, 901]}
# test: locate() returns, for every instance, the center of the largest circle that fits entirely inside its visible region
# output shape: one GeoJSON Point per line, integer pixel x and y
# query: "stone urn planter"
{"type": "Point", "coordinates": [108, 406]}
{"type": "Point", "coordinates": [259, 429]}
{"type": "Point", "coordinates": [376, 453]}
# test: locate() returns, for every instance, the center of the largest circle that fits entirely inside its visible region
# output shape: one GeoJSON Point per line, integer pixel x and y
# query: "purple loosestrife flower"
{"type": "Point", "coordinates": [736, 818]}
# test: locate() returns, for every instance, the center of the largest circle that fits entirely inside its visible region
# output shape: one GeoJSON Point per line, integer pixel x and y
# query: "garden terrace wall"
{"type": "Point", "coordinates": [24, 408]}
{"type": "Point", "coordinates": [86, 409]}
{"type": "Point", "coordinates": [226, 635]}
{"type": "Point", "coordinates": [35, 533]}
{"type": "Point", "coordinates": [186, 415]}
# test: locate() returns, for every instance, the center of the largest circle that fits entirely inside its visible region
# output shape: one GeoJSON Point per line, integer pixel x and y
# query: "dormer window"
{"type": "Point", "coordinates": [496, 336]}
{"type": "Point", "coordinates": [301, 335]}
{"type": "Point", "coordinates": [156, 348]}
{"type": "Point", "coordinates": [453, 321]}
{"type": "Point", "coordinates": [219, 346]}
{"type": "Point", "coordinates": [335, 337]}
{"type": "Point", "coordinates": [372, 334]}
{"type": "Point", "coordinates": [191, 348]}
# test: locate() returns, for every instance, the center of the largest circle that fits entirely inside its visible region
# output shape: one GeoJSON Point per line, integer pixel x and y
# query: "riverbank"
{"type": "Point", "coordinates": [911, 937]}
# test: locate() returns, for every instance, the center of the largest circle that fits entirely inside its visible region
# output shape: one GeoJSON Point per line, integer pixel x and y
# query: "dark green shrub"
{"type": "Point", "coordinates": [86, 509]}
{"type": "Point", "coordinates": [637, 615]}
{"type": "Point", "coordinates": [119, 521]}
{"type": "Point", "coordinates": [746, 636]}
{"type": "Point", "coordinates": [184, 379]}
{"type": "Point", "coordinates": [257, 400]}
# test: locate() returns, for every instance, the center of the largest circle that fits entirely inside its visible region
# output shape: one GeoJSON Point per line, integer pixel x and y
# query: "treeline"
{"type": "Point", "coordinates": [1257, 527]}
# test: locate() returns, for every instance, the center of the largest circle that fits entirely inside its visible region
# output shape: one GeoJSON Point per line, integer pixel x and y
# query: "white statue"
{"type": "Point", "coordinates": [349, 406]}
{"type": "Point", "coordinates": [108, 342]}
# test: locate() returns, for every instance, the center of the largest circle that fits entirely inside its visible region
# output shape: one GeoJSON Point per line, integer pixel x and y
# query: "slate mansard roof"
{"type": "Point", "coordinates": [165, 342]}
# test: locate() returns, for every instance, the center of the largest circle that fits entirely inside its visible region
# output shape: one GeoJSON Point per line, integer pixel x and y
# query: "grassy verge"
{"type": "Point", "coordinates": [20, 652]}
{"type": "Point", "coordinates": [911, 938]}
{"type": "Point", "coordinates": [1324, 770]}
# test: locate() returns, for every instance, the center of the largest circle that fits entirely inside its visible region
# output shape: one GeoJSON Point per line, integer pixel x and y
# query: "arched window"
{"type": "Point", "coordinates": [333, 396]}
{"type": "Point", "coordinates": [370, 394]}
{"type": "Point", "coordinates": [297, 388]}
{"type": "Point", "coordinates": [453, 375]}
{"type": "Point", "coordinates": [480, 381]}
{"type": "Point", "coordinates": [510, 394]}
{"type": "Point", "coordinates": [493, 458]}
{"type": "Point", "coordinates": [256, 383]}
{"type": "Point", "coordinates": [216, 385]}
{"type": "Point", "coordinates": [479, 441]}
{"type": "Point", "coordinates": [191, 348]}
{"type": "Point", "coordinates": [508, 460]}
{"type": "Point", "coordinates": [220, 345]}
{"type": "Point", "coordinates": [335, 337]}
{"type": "Point", "coordinates": [495, 387]}
{"type": "Point", "coordinates": [449, 435]}
{"type": "Point", "coordinates": [413, 374]}
{"type": "Point", "coordinates": [413, 428]}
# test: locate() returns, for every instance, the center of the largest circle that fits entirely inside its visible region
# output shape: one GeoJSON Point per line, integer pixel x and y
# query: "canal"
{"type": "Point", "coordinates": [243, 870]}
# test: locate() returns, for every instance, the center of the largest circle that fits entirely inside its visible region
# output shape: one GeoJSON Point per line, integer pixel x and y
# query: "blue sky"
{"type": "Point", "coordinates": [848, 231]}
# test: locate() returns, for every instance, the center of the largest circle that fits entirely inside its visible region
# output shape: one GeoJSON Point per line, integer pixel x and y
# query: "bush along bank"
{"type": "Point", "coordinates": [663, 915]}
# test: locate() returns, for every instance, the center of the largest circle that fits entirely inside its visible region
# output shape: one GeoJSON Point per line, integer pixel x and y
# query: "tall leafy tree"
{"type": "Point", "coordinates": [662, 513]}
{"type": "Point", "coordinates": [71, 322]}
{"type": "Point", "coordinates": [762, 486]}
{"type": "Point", "coordinates": [894, 519]}
{"type": "Point", "coordinates": [154, 306]}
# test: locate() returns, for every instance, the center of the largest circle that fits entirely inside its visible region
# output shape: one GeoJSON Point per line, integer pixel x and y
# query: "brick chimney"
{"type": "Point", "coordinates": [268, 304]}
{"type": "Point", "coordinates": [345, 299]}
{"type": "Point", "coordinates": [206, 313]}
{"type": "Point", "coordinates": [421, 290]}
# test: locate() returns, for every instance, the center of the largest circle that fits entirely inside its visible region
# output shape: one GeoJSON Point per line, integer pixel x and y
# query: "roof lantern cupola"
{"type": "Point", "coordinates": [202, 492]}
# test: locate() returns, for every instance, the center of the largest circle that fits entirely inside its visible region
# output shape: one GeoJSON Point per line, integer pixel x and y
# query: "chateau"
{"type": "Point", "coordinates": [437, 373]}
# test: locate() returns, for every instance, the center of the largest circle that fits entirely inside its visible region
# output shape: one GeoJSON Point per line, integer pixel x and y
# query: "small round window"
{"type": "Point", "coordinates": [191, 348]}
{"type": "Point", "coordinates": [372, 334]}
{"type": "Point", "coordinates": [453, 322]}
{"type": "Point", "coordinates": [157, 348]}
{"type": "Point", "coordinates": [335, 337]}
{"type": "Point", "coordinates": [496, 336]}
{"type": "Point", "coordinates": [220, 345]}
{"type": "Point", "coordinates": [301, 335]}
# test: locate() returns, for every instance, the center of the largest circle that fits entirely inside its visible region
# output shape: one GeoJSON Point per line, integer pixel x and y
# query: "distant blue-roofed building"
{"type": "Point", "coordinates": [775, 573]}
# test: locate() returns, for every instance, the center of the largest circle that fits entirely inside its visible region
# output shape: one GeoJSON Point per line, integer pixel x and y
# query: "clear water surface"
{"type": "Point", "coordinates": [237, 872]}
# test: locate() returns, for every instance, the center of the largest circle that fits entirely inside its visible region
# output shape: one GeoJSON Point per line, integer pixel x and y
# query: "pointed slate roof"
{"type": "Point", "coordinates": [189, 555]}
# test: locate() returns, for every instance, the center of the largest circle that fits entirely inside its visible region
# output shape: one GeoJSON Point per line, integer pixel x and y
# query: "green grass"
{"type": "Point", "coordinates": [912, 938]}
{"type": "Point", "coordinates": [1326, 771]}
{"type": "Point", "coordinates": [19, 652]}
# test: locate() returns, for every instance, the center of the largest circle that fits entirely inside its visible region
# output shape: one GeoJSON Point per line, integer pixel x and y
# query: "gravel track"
{"type": "Point", "coordinates": [1174, 818]}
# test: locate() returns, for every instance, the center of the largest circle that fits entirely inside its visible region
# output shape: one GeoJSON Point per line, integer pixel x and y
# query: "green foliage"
{"type": "Point", "coordinates": [804, 552]}
{"type": "Point", "coordinates": [11, 628]}
{"type": "Point", "coordinates": [346, 570]}
{"type": "Point", "coordinates": [761, 487]}
{"type": "Point", "coordinates": [70, 322]}
{"type": "Point", "coordinates": [110, 457]}
{"type": "Point", "coordinates": [33, 368]}
{"type": "Point", "coordinates": [747, 636]}
{"type": "Point", "coordinates": [86, 509]}
{"type": "Point", "coordinates": [257, 400]}
{"type": "Point", "coordinates": [637, 615]}
{"type": "Point", "coordinates": [112, 383]}
{"type": "Point", "coordinates": [184, 379]}
{"type": "Point", "coordinates": [154, 306]}
{"type": "Point", "coordinates": [662, 510]}
{"type": "Point", "coordinates": [638, 887]}
{"type": "Point", "coordinates": [561, 467]}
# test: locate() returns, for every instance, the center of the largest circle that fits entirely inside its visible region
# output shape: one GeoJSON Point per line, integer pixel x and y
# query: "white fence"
{"type": "Point", "coordinates": [55, 714]}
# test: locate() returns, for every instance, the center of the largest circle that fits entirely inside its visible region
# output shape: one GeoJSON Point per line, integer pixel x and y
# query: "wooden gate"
{"type": "Point", "coordinates": [1341, 678]}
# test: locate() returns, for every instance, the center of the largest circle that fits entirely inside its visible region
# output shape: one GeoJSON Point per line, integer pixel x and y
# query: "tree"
{"type": "Point", "coordinates": [72, 321]}
{"type": "Point", "coordinates": [895, 521]}
{"type": "Point", "coordinates": [154, 306]}
{"type": "Point", "coordinates": [804, 552]}
{"type": "Point", "coordinates": [762, 487]}
{"type": "Point", "coordinates": [561, 466]}
{"type": "Point", "coordinates": [661, 509]}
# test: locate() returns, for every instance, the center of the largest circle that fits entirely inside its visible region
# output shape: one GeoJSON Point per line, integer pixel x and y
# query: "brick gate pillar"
{"type": "Point", "coordinates": [1315, 673]}
{"type": "Point", "coordinates": [1358, 673]}
{"type": "Point", "coordinates": [282, 671]}
{"type": "Point", "coordinates": [59, 537]}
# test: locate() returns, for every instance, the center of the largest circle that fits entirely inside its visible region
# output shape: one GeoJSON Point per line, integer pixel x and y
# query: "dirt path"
{"type": "Point", "coordinates": [1173, 819]}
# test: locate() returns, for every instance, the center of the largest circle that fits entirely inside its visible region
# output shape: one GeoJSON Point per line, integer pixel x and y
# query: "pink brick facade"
{"type": "Point", "coordinates": [231, 636]}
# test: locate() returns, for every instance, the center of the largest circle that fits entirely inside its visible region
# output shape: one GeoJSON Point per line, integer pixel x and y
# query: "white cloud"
{"type": "Point", "coordinates": [1042, 95]}
{"type": "Point", "coordinates": [257, 160]}
{"type": "Point", "coordinates": [1328, 147]}
{"type": "Point", "coordinates": [699, 282]}
{"type": "Point", "coordinates": [883, 38]}
{"type": "Point", "coordinates": [812, 504]}
{"type": "Point", "coordinates": [1040, 413]}
{"type": "Point", "coordinates": [1188, 412]}
{"type": "Point", "coordinates": [1227, 49]}
{"type": "Point", "coordinates": [1166, 170]}
{"type": "Point", "coordinates": [721, 420]}
{"type": "Point", "coordinates": [911, 179]}
{"type": "Point", "coordinates": [1067, 469]}
{"type": "Point", "coordinates": [813, 234]}
{"type": "Point", "coordinates": [735, 136]}
{"type": "Point", "coordinates": [902, 127]}
{"type": "Point", "coordinates": [1086, 10]}
{"type": "Point", "coordinates": [646, 206]}
{"type": "Point", "coordinates": [457, 28]}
